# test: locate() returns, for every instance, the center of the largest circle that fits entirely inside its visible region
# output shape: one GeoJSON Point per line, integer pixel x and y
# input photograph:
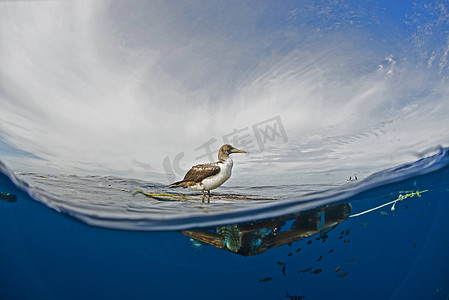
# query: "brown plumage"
{"type": "Point", "coordinates": [197, 174]}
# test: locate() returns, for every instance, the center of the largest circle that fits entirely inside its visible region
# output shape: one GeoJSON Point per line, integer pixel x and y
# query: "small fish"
{"type": "Point", "coordinates": [196, 244]}
{"type": "Point", "coordinates": [342, 274]}
{"type": "Point", "coordinates": [414, 245]}
{"type": "Point", "coordinates": [364, 224]}
{"type": "Point", "coordinates": [295, 297]}
{"type": "Point", "coordinates": [406, 206]}
{"type": "Point", "coordinates": [280, 263]}
{"type": "Point", "coordinates": [290, 254]}
{"type": "Point", "coordinates": [299, 249]}
{"type": "Point", "coordinates": [383, 213]}
{"type": "Point", "coordinates": [343, 232]}
{"type": "Point", "coordinates": [351, 259]}
{"type": "Point", "coordinates": [309, 242]}
{"type": "Point", "coordinates": [348, 231]}
{"type": "Point", "coordinates": [7, 197]}
{"type": "Point", "coordinates": [283, 271]}
{"type": "Point", "coordinates": [319, 258]}
{"type": "Point", "coordinates": [324, 236]}
{"type": "Point", "coordinates": [331, 250]}
{"type": "Point", "coordinates": [340, 237]}
{"type": "Point", "coordinates": [346, 241]}
{"type": "Point", "coordinates": [337, 269]}
{"type": "Point", "coordinates": [290, 244]}
{"type": "Point", "coordinates": [317, 271]}
{"type": "Point", "coordinates": [305, 270]}
{"type": "Point", "coordinates": [266, 279]}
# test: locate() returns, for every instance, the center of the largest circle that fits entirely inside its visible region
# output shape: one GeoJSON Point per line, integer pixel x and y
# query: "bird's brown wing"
{"type": "Point", "coordinates": [199, 172]}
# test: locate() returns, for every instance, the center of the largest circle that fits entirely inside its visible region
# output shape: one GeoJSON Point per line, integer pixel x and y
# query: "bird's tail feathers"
{"type": "Point", "coordinates": [178, 184]}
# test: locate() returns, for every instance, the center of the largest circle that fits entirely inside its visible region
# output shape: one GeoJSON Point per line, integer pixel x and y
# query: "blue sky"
{"type": "Point", "coordinates": [112, 87]}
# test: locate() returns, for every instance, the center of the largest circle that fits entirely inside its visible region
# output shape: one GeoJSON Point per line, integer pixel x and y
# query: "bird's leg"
{"type": "Point", "coordinates": [208, 193]}
{"type": "Point", "coordinates": [208, 198]}
{"type": "Point", "coordinates": [202, 200]}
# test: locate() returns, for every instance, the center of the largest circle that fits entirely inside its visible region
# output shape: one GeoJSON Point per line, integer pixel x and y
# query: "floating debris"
{"type": "Point", "coordinates": [348, 231]}
{"type": "Point", "coordinates": [340, 237]}
{"type": "Point", "coordinates": [337, 269]}
{"type": "Point", "coordinates": [283, 271]}
{"type": "Point", "coordinates": [230, 236]}
{"type": "Point", "coordinates": [295, 297]}
{"type": "Point", "coordinates": [331, 250]}
{"type": "Point", "coordinates": [305, 270]}
{"type": "Point", "coordinates": [400, 198]}
{"type": "Point", "coordinates": [393, 207]}
{"type": "Point", "coordinates": [309, 242]}
{"type": "Point", "coordinates": [299, 249]}
{"type": "Point", "coordinates": [343, 232]}
{"type": "Point", "coordinates": [155, 195]}
{"type": "Point", "coordinates": [290, 254]}
{"type": "Point", "coordinates": [280, 263]}
{"type": "Point", "coordinates": [319, 258]}
{"type": "Point", "coordinates": [342, 274]}
{"type": "Point", "coordinates": [317, 271]}
{"type": "Point", "coordinates": [266, 279]}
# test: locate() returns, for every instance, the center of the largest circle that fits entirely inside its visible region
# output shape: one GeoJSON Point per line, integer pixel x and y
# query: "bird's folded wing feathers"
{"type": "Point", "coordinates": [199, 172]}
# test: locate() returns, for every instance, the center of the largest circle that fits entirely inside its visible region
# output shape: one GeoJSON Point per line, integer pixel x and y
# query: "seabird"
{"type": "Point", "coordinates": [209, 176]}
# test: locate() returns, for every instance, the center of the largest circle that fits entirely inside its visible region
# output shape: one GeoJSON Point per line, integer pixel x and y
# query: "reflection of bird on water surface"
{"type": "Point", "coordinates": [206, 177]}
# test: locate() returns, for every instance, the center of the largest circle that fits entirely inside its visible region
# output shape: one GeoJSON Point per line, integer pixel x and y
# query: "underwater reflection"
{"type": "Point", "coordinates": [257, 237]}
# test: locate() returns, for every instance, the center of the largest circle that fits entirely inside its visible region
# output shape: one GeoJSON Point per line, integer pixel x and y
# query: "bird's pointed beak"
{"type": "Point", "coordinates": [235, 150]}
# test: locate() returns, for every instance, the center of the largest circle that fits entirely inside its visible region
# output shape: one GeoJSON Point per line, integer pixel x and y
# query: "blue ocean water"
{"type": "Point", "coordinates": [49, 252]}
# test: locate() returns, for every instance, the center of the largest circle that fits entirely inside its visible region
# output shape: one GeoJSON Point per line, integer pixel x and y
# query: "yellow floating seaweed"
{"type": "Point", "coordinates": [156, 194]}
